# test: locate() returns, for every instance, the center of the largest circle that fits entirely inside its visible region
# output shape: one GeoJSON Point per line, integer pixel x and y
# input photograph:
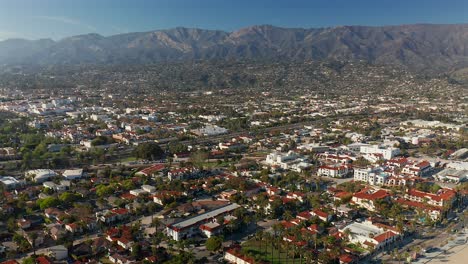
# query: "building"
{"type": "Point", "coordinates": [209, 130]}
{"type": "Point", "coordinates": [287, 161]}
{"type": "Point", "coordinates": [73, 174]}
{"type": "Point", "coordinates": [10, 182]}
{"type": "Point", "coordinates": [443, 197]}
{"type": "Point", "coordinates": [234, 255]}
{"type": "Point", "coordinates": [386, 152]}
{"type": "Point", "coordinates": [452, 175]}
{"type": "Point", "coordinates": [191, 226]}
{"type": "Point", "coordinates": [40, 175]}
{"type": "Point", "coordinates": [152, 170]}
{"type": "Point", "coordinates": [373, 236]}
{"type": "Point", "coordinates": [421, 168]}
{"type": "Point", "coordinates": [334, 171]}
{"type": "Point", "coordinates": [372, 176]}
{"type": "Point", "coordinates": [368, 197]}
{"type": "Point", "coordinates": [211, 229]}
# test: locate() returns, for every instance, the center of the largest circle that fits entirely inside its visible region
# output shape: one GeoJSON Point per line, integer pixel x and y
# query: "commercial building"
{"type": "Point", "coordinates": [191, 226]}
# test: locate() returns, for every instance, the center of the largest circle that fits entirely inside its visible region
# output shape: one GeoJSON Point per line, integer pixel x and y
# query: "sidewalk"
{"type": "Point", "coordinates": [455, 251]}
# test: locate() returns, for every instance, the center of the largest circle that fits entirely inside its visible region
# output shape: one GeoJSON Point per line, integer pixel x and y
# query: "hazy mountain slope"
{"type": "Point", "coordinates": [422, 46]}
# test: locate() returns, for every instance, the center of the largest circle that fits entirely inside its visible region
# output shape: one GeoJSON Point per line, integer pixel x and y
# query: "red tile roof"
{"type": "Point", "coordinates": [384, 236]}
{"type": "Point", "coordinates": [366, 195]}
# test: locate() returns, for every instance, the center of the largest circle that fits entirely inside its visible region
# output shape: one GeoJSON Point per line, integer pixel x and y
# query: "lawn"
{"type": "Point", "coordinates": [213, 165]}
{"type": "Point", "coordinates": [356, 247]}
{"type": "Point", "coordinates": [267, 253]}
{"type": "Point", "coordinates": [128, 159]}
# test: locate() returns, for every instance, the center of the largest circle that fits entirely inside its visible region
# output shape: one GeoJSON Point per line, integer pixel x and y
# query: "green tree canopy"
{"type": "Point", "coordinates": [214, 243]}
{"type": "Point", "coordinates": [149, 151]}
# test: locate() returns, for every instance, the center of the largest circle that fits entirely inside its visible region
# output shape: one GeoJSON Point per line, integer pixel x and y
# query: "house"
{"type": "Point", "coordinates": [234, 256]}
{"type": "Point", "coordinates": [163, 197]}
{"type": "Point", "coordinates": [326, 217]}
{"type": "Point", "coordinates": [74, 228]}
{"type": "Point", "coordinates": [113, 215]}
{"type": "Point", "coordinates": [211, 229]}
{"type": "Point", "coordinates": [227, 194]}
{"type": "Point", "coordinates": [148, 188]}
{"type": "Point", "coordinates": [306, 215]}
{"type": "Point", "coordinates": [54, 213]}
{"type": "Point", "coordinates": [137, 192]}
{"type": "Point", "coordinates": [57, 232]}
{"type": "Point", "coordinates": [43, 260]}
{"type": "Point", "coordinates": [125, 242]}
{"type": "Point", "coordinates": [296, 196]}
{"type": "Point", "coordinates": [119, 259]}
{"type": "Point", "coordinates": [152, 170]}
{"type": "Point", "coordinates": [35, 238]}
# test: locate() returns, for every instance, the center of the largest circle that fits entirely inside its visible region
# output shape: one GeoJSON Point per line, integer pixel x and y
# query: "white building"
{"type": "Point", "coordinates": [287, 161]}
{"type": "Point", "coordinates": [73, 174]}
{"type": "Point", "coordinates": [148, 188]}
{"type": "Point", "coordinates": [372, 176]}
{"type": "Point", "coordinates": [386, 152]}
{"type": "Point", "coordinates": [137, 192]}
{"type": "Point", "coordinates": [209, 130]}
{"type": "Point", "coordinates": [334, 171]}
{"type": "Point", "coordinates": [40, 175]}
{"type": "Point", "coordinates": [370, 235]}
{"type": "Point", "coordinates": [459, 165]}
{"type": "Point", "coordinates": [10, 182]}
{"type": "Point", "coordinates": [190, 227]}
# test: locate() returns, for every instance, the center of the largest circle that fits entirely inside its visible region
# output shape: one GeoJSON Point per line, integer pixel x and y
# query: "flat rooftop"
{"type": "Point", "coordinates": [202, 217]}
{"type": "Point", "coordinates": [363, 229]}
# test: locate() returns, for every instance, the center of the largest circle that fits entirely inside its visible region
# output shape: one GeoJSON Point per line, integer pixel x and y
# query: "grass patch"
{"type": "Point", "coordinates": [356, 248]}
{"type": "Point", "coordinates": [273, 255]}
{"type": "Point", "coordinates": [215, 164]}
{"type": "Point", "coordinates": [128, 159]}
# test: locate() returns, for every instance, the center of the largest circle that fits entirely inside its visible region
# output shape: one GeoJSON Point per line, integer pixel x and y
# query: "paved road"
{"type": "Point", "coordinates": [431, 238]}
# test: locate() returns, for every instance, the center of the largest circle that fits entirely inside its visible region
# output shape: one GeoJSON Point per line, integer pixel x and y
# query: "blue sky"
{"type": "Point", "coordinates": [57, 19]}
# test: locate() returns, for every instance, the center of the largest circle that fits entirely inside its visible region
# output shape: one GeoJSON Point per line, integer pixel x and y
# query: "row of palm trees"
{"type": "Point", "coordinates": [301, 247]}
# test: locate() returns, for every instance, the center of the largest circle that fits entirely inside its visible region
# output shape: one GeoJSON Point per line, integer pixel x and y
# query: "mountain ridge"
{"type": "Point", "coordinates": [439, 47]}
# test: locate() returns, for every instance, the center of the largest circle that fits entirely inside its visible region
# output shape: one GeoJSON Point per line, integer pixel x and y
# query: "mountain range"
{"type": "Point", "coordinates": [418, 46]}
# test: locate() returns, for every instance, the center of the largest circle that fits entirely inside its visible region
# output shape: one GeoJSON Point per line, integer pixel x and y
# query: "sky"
{"type": "Point", "coordinates": [57, 19]}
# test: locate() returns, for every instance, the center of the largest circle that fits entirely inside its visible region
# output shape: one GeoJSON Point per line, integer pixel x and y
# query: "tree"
{"type": "Point", "coordinates": [214, 243]}
{"type": "Point", "coordinates": [104, 190]}
{"type": "Point", "coordinates": [198, 158]}
{"type": "Point", "coordinates": [68, 197]}
{"type": "Point", "coordinates": [136, 251]}
{"type": "Point", "coordinates": [149, 151]}
{"type": "Point", "coordinates": [48, 202]}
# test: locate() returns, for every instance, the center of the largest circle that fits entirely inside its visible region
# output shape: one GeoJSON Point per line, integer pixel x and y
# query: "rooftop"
{"type": "Point", "coordinates": [203, 217]}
